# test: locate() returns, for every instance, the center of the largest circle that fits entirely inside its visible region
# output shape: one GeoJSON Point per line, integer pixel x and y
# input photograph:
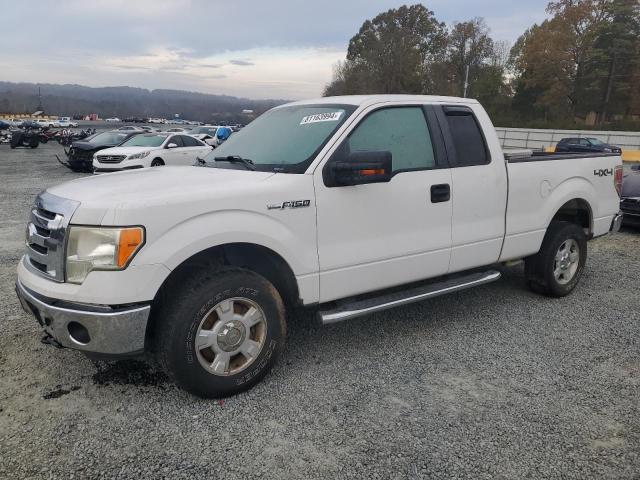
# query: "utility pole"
{"type": "Point", "coordinates": [466, 81]}
{"type": "Point", "coordinates": [607, 95]}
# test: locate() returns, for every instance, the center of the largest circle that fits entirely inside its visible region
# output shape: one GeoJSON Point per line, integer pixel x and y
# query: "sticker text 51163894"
{"type": "Point", "coordinates": [321, 117]}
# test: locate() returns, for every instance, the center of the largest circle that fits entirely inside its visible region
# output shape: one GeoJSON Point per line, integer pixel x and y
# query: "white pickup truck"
{"type": "Point", "coordinates": [348, 204]}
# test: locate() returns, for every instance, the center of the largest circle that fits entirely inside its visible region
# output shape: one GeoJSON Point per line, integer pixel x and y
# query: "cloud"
{"type": "Point", "coordinates": [241, 63]}
{"type": "Point", "coordinates": [177, 43]}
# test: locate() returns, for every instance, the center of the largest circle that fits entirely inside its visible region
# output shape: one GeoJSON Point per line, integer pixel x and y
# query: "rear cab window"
{"type": "Point", "coordinates": [466, 145]}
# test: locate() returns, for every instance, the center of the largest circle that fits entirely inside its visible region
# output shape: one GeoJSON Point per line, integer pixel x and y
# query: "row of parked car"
{"type": "Point", "coordinates": [60, 122]}
{"type": "Point", "coordinates": [132, 147]}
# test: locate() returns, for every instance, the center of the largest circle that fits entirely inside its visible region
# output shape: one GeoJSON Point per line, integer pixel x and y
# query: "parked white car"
{"type": "Point", "coordinates": [47, 123]}
{"type": "Point", "coordinates": [150, 150]}
{"type": "Point", "coordinates": [13, 122]}
{"type": "Point", "coordinates": [66, 122]}
{"type": "Point", "coordinates": [205, 133]}
{"type": "Point", "coordinates": [112, 120]}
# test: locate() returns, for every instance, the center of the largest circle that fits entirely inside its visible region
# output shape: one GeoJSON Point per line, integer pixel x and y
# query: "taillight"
{"type": "Point", "coordinates": [617, 179]}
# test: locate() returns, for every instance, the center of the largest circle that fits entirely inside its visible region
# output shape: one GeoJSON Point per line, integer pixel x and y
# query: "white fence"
{"type": "Point", "coordinates": [539, 139]}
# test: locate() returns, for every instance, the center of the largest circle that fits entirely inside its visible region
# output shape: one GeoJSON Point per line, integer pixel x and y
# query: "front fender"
{"type": "Point", "coordinates": [297, 246]}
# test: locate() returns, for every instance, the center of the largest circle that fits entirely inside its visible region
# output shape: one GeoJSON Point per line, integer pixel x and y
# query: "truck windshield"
{"type": "Point", "coordinates": [285, 139]}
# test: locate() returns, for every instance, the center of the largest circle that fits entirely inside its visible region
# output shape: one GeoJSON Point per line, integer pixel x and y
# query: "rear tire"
{"type": "Point", "coordinates": [556, 269]}
{"type": "Point", "coordinates": [206, 338]}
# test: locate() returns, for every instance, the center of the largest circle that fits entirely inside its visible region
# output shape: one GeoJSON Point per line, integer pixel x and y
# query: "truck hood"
{"type": "Point", "coordinates": [157, 186]}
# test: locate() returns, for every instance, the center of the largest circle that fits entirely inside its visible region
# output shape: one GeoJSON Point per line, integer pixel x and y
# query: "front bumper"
{"type": "Point", "coordinates": [91, 328]}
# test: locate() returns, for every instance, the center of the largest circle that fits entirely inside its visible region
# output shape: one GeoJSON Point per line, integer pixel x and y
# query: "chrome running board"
{"type": "Point", "coordinates": [359, 308]}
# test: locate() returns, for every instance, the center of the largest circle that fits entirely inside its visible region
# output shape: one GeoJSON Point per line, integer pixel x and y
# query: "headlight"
{"type": "Point", "coordinates": [608, 150]}
{"type": "Point", "coordinates": [137, 156]}
{"type": "Point", "coordinates": [100, 248]}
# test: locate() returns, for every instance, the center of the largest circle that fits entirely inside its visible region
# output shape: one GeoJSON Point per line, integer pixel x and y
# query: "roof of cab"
{"type": "Point", "coordinates": [362, 100]}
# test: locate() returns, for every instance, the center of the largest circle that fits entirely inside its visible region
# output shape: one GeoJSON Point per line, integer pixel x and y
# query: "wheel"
{"type": "Point", "coordinates": [157, 162]}
{"type": "Point", "coordinates": [556, 269]}
{"type": "Point", "coordinates": [220, 332]}
{"type": "Point", "coordinates": [33, 142]}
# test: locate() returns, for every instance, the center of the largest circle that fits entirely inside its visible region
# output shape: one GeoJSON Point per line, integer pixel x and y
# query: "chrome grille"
{"type": "Point", "coordinates": [110, 158]}
{"type": "Point", "coordinates": [46, 235]}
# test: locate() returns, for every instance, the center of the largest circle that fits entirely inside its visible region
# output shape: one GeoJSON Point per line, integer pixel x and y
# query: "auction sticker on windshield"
{"type": "Point", "coordinates": [321, 117]}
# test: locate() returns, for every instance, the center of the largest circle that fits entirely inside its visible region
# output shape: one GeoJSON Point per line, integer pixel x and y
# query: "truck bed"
{"type": "Point", "coordinates": [535, 194]}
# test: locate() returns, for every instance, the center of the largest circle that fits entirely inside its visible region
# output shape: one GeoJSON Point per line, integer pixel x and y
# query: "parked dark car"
{"type": "Point", "coordinates": [630, 197]}
{"type": "Point", "coordinates": [587, 144]}
{"type": "Point", "coordinates": [80, 155]}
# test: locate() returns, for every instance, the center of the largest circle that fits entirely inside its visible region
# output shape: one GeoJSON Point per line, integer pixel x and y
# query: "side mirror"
{"type": "Point", "coordinates": [172, 145]}
{"type": "Point", "coordinates": [359, 168]}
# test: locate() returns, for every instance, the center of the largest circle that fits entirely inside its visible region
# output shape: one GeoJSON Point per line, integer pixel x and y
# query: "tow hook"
{"type": "Point", "coordinates": [49, 340]}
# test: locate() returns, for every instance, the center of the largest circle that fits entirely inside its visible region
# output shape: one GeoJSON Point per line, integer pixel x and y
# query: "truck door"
{"type": "Point", "coordinates": [479, 188]}
{"type": "Point", "coordinates": [384, 234]}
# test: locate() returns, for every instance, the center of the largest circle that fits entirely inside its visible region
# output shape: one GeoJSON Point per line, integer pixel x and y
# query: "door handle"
{"type": "Point", "coordinates": [440, 193]}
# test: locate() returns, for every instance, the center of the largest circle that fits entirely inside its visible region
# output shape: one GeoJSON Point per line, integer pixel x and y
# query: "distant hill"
{"type": "Point", "coordinates": [126, 102]}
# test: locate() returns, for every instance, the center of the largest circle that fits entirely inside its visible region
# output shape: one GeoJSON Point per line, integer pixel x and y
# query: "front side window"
{"type": "Point", "coordinates": [177, 140]}
{"type": "Point", "coordinates": [403, 131]}
{"type": "Point", "coordinates": [285, 139]}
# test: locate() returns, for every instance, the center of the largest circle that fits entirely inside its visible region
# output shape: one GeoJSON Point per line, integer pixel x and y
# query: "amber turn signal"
{"type": "Point", "coordinates": [128, 244]}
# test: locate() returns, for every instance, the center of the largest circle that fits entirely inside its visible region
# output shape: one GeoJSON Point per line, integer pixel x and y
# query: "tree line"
{"type": "Point", "coordinates": [581, 66]}
{"type": "Point", "coordinates": [128, 102]}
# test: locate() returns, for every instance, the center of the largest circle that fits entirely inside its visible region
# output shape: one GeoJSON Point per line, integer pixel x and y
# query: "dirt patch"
{"type": "Point", "coordinates": [129, 372]}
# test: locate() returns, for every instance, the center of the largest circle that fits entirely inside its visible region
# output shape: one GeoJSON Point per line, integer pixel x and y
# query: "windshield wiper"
{"type": "Point", "coordinates": [237, 159]}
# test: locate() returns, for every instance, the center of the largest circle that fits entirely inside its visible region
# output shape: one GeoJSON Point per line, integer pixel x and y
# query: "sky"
{"type": "Point", "coordinates": [247, 48]}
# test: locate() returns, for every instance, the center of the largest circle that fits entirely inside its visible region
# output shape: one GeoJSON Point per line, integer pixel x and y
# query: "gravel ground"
{"type": "Point", "coordinates": [492, 382]}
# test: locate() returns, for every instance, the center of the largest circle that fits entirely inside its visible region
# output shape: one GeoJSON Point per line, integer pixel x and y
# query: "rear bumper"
{"type": "Point", "coordinates": [90, 328]}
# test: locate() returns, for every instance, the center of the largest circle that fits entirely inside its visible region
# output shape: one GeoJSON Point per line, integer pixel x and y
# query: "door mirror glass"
{"type": "Point", "coordinates": [172, 145]}
{"type": "Point", "coordinates": [360, 168]}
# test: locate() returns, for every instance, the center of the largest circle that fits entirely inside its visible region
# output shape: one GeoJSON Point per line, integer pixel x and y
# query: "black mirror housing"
{"type": "Point", "coordinates": [359, 168]}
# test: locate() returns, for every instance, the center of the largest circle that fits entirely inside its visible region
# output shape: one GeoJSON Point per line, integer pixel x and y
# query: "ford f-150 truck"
{"type": "Point", "coordinates": [351, 205]}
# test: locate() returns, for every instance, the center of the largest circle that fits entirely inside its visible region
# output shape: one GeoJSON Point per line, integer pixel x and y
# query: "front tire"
{"type": "Point", "coordinates": [220, 332]}
{"type": "Point", "coordinates": [157, 162]}
{"type": "Point", "coordinates": [556, 269]}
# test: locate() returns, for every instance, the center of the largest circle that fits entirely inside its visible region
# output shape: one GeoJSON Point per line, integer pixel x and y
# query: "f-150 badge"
{"type": "Point", "coordinates": [289, 204]}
